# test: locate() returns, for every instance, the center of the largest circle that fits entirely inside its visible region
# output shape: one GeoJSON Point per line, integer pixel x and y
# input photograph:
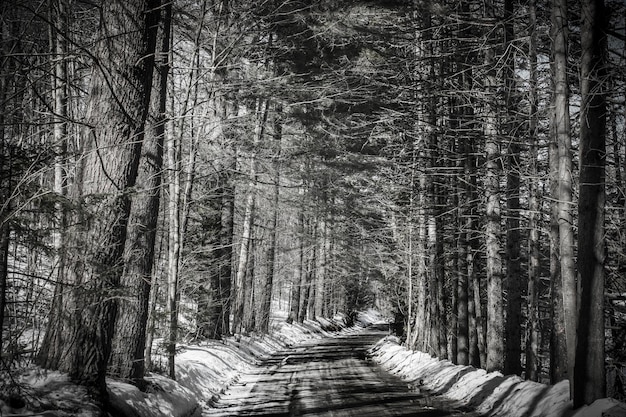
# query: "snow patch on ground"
{"type": "Point", "coordinates": [203, 373]}
{"type": "Point", "coordinates": [489, 393]}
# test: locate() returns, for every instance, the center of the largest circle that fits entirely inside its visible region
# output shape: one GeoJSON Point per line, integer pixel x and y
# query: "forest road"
{"type": "Point", "coordinates": [328, 377]}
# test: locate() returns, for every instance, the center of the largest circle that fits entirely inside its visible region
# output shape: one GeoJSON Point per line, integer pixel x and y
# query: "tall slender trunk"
{"type": "Point", "coordinates": [493, 245]}
{"type": "Point", "coordinates": [173, 258]}
{"type": "Point", "coordinates": [4, 186]}
{"type": "Point", "coordinates": [299, 274]}
{"type": "Point", "coordinates": [533, 365]}
{"type": "Point", "coordinates": [564, 197]}
{"type": "Point", "coordinates": [513, 351]}
{"type": "Point", "coordinates": [320, 276]}
{"type": "Point", "coordinates": [266, 302]}
{"type": "Point", "coordinates": [588, 378]}
{"type": "Point", "coordinates": [58, 32]}
{"type": "Point", "coordinates": [248, 219]}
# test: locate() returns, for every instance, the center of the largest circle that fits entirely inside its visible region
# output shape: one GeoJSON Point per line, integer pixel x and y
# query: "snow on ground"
{"type": "Point", "coordinates": [206, 370]}
{"type": "Point", "coordinates": [490, 393]}
{"type": "Point", "coordinates": [203, 372]}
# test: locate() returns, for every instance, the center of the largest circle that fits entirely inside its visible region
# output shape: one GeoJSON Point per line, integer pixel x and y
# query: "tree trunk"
{"type": "Point", "coordinates": [173, 253]}
{"type": "Point", "coordinates": [495, 305]}
{"type": "Point", "coordinates": [266, 303]}
{"type": "Point", "coordinates": [564, 196]}
{"type": "Point", "coordinates": [320, 275]}
{"type": "Point", "coordinates": [58, 11]}
{"type": "Point", "coordinates": [558, 349]}
{"type": "Point", "coordinates": [298, 277]}
{"type": "Point", "coordinates": [533, 365]}
{"type": "Point", "coordinates": [512, 364]}
{"type": "Point", "coordinates": [4, 260]}
{"type": "Point", "coordinates": [589, 370]}
{"type": "Point", "coordinates": [248, 220]}
{"type": "Point", "coordinates": [127, 358]}
{"type": "Point", "coordinates": [103, 187]}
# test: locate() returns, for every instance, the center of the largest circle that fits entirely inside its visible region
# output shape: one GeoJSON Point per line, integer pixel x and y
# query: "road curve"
{"type": "Point", "coordinates": [328, 377]}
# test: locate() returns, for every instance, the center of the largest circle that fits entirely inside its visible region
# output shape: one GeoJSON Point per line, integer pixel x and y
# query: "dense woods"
{"type": "Point", "coordinates": [180, 171]}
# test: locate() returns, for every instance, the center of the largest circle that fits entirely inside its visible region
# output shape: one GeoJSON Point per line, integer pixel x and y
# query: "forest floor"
{"type": "Point", "coordinates": [208, 373]}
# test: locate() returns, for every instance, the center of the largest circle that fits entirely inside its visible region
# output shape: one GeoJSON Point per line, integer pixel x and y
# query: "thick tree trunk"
{"type": "Point", "coordinates": [127, 357]}
{"type": "Point", "coordinates": [125, 55]}
{"type": "Point", "coordinates": [589, 370]}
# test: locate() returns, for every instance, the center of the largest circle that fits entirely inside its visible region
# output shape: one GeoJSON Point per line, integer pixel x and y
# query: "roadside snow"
{"type": "Point", "coordinates": [203, 373]}
{"type": "Point", "coordinates": [489, 393]}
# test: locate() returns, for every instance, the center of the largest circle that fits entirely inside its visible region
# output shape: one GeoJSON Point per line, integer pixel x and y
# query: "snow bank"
{"type": "Point", "coordinates": [205, 371]}
{"type": "Point", "coordinates": [489, 393]}
{"type": "Point", "coordinates": [163, 398]}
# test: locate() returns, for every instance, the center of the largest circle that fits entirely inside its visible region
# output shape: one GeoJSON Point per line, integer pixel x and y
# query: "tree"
{"type": "Point", "coordinates": [588, 378]}
{"type": "Point", "coordinates": [534, 244]}
{"type": "Point", "coordinates": [563, 190]}
{"type": "Point", "coordinates": [495, 273]}
{"type": "Point", "coordinates": [123, 62]}
{"type": "Point", "coordinates": [513, 354]}
{"type": "Point", "coordinates": [268, 285]}
{"type": "Point", "coordinates": [127, 358]}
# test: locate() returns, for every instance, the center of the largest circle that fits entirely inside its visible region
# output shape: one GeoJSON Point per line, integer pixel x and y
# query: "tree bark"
{"type": "Point", "coordinates": [239, 289]}
{"type": "Point", "coordinates": [589, 381]}
{"type": "Point", "coordinates": [513, 354]}
{"type": "Point", "coordinates": [533, 366]}
{"type": "Point", "coordinates": [127, 358]}
{"type": "Point", "coordinates": [105, 180]}
{"type": "Point", "coordinates": [495, 304]}
{"type": "Point", "coordinates": [564, 197]}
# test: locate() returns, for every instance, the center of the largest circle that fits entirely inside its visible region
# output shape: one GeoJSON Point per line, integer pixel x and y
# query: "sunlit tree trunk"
{"type": "Point", "coordinates": [266, 302]}
{"type": "Point", "coordinates": [239, 289]}
{"type": "Point", "coordinates": [127, 357]}
{"type": "Point", "coordinates": [298, 275]}
{"type": "Point", "coordinates": [320, 276]}
{"type": "Point", "coordinates": [589, 371]}
{"type": "Point", "coordinates": [58, 33]}
{"type": "Point", "coordinates": [125, 55]}
{"type": "Point", "coordinates": [493, 245]}
{"type": "Point", "coordinates": [173, 253]}
{"type": "Point", "coordinates": [308, 272]}
{"type": "Point", "coordinates": [561, 121]}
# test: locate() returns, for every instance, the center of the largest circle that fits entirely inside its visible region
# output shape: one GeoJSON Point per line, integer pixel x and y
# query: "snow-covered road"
{"type": "Point", "coordinates": [327, 377]}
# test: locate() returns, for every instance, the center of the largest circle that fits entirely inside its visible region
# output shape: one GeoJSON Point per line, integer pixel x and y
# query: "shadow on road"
{"type": "Point", "coordinates": [328, 377]}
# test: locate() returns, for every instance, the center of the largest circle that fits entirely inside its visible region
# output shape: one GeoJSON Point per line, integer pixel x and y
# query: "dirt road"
{"type": "Point", "coordinates": [328, 377]}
